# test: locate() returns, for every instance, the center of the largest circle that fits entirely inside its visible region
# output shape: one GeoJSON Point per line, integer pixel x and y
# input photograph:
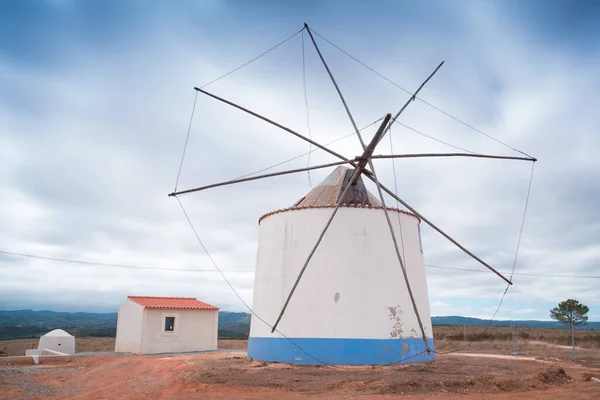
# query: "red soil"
{"type": "Point", "coordinates": [231, 375]}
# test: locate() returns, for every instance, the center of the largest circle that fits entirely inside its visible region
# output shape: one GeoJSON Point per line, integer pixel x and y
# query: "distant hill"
{"type": "Point", "coordinates": [20, 324]}
{"type": "Point", "coordinates": [54, 318]}
{"type": "Point", "coordinates": [468, 321]}
{"type": "Point", "coordinates": [235, 325]}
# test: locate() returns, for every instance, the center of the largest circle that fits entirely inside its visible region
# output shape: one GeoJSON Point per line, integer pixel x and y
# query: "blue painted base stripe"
{"type": "Point", "coordinates": [340, 351]}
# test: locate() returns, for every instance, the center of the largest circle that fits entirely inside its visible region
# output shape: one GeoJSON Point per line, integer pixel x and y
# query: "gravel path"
{"type": "Point", "coordinates": [25, 383]}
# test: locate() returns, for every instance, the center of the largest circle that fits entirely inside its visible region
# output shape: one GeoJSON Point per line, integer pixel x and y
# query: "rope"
{"type": "Point", "coordinates": [313, 150]}
{"type": "Point", "coordinates": [523, 221]}
{"type": "Point", "coordinates": [420, 99]}
{"type": "Point", "coordinates": [93, 263]}
{"type": "Point", "coordinates": [518, 273]}
{"type": "Point", "coordinates": [396, 191]}
{"type": "Point", "coordinates": [433, 138]}
{"type": "Point", "coordinates": [486, 328]}
{"type": "Point", "coordinates": [235, 291]}
{"type": "Point", "coordinates": [187, 138]}
{"type": "Point", "coordinates": [216, 80]}
{"type": "Point", "coordinates": [306, 106]}
{"type": "Point", "coordinates": [252, 60]}
{"type": "Point", "coordinates": [513, 267]}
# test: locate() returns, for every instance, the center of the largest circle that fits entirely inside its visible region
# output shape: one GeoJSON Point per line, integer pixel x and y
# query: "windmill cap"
{"type": "Point", "coordinates": [327, 194]}
{"type": "Point", "coordinates": [329, 191]}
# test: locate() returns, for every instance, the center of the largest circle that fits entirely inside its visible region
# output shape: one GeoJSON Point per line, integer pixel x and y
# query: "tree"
{"type": "Point", "coordinates": [572, 313]}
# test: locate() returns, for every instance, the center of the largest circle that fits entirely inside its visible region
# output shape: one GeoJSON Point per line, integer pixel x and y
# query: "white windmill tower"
{"type": "Point", "coordinates": [363, 301]}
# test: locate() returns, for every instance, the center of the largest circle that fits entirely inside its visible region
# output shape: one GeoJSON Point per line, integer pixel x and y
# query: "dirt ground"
{"type": "Point", "coordinates": [588, 357]}
{"type": "Point", "coordinates": [232, 376]}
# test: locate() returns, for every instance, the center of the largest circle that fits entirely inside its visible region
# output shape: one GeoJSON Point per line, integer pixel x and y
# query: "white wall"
{"type": "Point", "coordinates": [195, 330]}
{"type": "Point", "coordinates": [353, 286]}
{"type": "Point", "coordinates": [129, 328]}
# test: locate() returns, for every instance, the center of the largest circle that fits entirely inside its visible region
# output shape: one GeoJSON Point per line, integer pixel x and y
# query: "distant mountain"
{"type": "Point", "coordinates": [56, 319]}
{"type": "Point", "coordinates": [236, 325]}
{"type": "Point", "coordinates": [468, 321]}
{"type": "Point", "coordinates": [19, 324]}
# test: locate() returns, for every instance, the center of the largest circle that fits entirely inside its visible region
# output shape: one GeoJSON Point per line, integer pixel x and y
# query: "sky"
{"type": "Point", "coordinates": [95, 105]}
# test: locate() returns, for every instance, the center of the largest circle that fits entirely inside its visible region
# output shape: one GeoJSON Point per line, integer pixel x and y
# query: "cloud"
{"type": "Point", "coordinates": [94, 119]}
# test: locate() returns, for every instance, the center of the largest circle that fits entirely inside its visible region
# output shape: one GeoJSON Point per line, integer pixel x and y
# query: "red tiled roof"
{"type": "Point", "coordinates": [188, 303]}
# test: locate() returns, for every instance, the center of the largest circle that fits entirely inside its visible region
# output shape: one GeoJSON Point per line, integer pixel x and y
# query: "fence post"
{"type": "Point", "coordinates": [573, 341]}
{"type": "Point", "coordinates": [513, 331]}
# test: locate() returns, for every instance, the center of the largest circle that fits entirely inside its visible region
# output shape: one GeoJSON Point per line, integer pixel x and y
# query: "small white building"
{"type": "Point", "coordinates": [56, 342]}
{"type": "Point", "coordinates": [151, 325]}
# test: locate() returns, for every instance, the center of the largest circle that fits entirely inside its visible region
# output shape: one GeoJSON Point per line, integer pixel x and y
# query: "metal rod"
{"type": "Point", "coordinates": [452, 155]}
{"type": "Point", "coordinates": [371, 148]}
{"type": "Point", "coordinates": [337, 88]}
{"type": "Point", "coordinates": [291, 171]}
{"type": "Point", "coordinates": [357, 172]}
{"type": "Point", "coordinates": [431, 224]}
{"type": "Point", "coordinates": [274, 123]}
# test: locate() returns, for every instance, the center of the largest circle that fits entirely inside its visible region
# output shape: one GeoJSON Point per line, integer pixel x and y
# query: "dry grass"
{"type": "Point", "coordinates": [587, 339]}
{"type": "Point", "coordinates": [17, 347]}
{"type": "Point", "coordinates": [233, 344]}
{"type": "Point", "coordinates": [545, 343]}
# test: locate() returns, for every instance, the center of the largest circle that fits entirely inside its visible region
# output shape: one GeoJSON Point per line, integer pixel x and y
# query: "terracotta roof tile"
{"type": "Point", "coordinates": [327, 195]}
{"type": "Point", "coordinates": [296, 208]}
{"type": "Point", "coordinates": [188, 303]}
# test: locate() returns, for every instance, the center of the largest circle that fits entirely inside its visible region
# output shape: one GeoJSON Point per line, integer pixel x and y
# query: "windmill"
{"type": "Point", "coordinates": [390, 322]}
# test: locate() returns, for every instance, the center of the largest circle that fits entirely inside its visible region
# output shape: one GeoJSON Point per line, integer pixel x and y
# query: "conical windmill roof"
{"type": "Point", "coordinates": [327, 195]}
{"type": "Point", "coordinates": [329, 191]}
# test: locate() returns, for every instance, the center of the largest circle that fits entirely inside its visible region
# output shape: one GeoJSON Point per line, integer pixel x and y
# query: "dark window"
{"type": "Point", "coordinates": [169, 324]}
